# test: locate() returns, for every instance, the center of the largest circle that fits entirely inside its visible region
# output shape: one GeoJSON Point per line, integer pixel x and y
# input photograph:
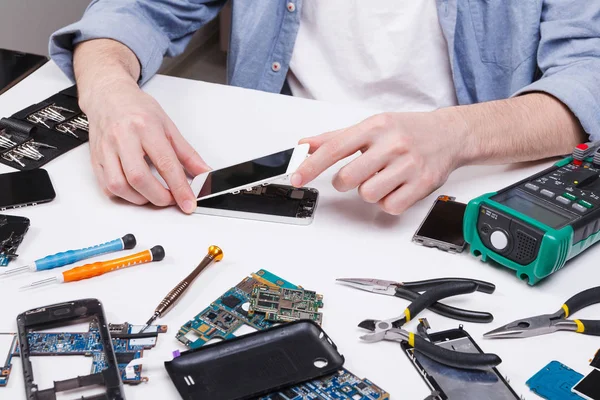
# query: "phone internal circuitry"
{"type": "Point", "coordinates": [286, 305]}
{"type": "Point", "coordinates": [128, 344]}
{"type": "Point", "coordinates": [340, 386]}
{"type": "Point", "coordinates": [8, 346]}
{"type": "Point", "coordinates": [229, 312]}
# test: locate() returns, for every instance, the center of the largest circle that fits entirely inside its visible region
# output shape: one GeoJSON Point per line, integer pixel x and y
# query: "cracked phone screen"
{"type": "Point", "coordinates": [462, 384]}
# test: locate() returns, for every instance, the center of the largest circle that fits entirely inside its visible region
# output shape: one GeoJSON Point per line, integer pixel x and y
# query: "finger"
{"type": "Point", "coordinates": [115, 181]}
{"type": "Point", "coordinates": [404, 197]}
{"type": "Point", "coordinates": [336, 148]}
{"type": "Point", "coordinates": [138, 174]}
{"type": "Point", "coordinates": [187, 155]}
{"type": "Point", "coordinates": [316, 141]}
{"type": "Point", "coordinates": [162, 155]}
{"type": "Point", "coordinates": [361, 169]}
{"type": "Point", "coordinates": [386, 181]}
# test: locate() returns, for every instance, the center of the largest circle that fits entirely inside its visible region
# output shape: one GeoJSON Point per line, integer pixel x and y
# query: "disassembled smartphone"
{"type": "Point", "coordinates": [25, 188]}
{"type": "Point", "coordinates": [448, 383]}
{"type": "Point", "coordinates": [271, 203]}
{"type": "Point", "coordinates": [443, 226]}
{"type": "Point", "coordinates": [246, 175]}
{"type": "Point", "coordinates": [255, 364]}
{"type": "Point", "coordinates": [12, 232]}
{"type": "Point", "coordinates": [63, 314]}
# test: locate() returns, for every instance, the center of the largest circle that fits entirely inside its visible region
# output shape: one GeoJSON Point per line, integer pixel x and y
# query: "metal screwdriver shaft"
{"type": "Point", "coordinates": [214, 254]}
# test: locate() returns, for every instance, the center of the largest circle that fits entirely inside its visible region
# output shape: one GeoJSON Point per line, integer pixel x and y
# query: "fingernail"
{"type": "Point", "coordinates": [188, 206]}
{"type": "Point", "coordinates": [296, 180]}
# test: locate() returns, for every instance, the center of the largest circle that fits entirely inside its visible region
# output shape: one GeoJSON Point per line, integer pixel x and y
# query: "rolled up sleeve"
{"type": "Point", "coordinates": [569, 59]}
{"type": "Point", "coordinates": [151, 29]}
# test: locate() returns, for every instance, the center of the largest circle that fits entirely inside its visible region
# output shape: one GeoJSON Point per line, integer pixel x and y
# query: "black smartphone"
{"type": "Point", "coordinates": [443, 226]}
{"type": "Point", "coordinates": [25, 188]}
{"type": "Point", "coordinates": [448, 383]}
{"type": "Point", "coordinates": [65, 314]}
{"type": "Point", "coordinates": [15, 66]}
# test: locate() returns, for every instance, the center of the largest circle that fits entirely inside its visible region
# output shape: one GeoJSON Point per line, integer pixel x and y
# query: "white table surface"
{"type": "Point", "coordinates": [348, 238]}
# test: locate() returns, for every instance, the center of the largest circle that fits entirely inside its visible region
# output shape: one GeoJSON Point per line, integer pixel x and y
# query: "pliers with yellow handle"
{"type": "Point", "coordinates": [550, 323]}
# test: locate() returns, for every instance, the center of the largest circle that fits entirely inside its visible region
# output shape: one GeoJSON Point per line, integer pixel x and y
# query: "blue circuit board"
{"type": "Point", "coordinates": [554, 382]}
{"type": "Point", "coordinates": [6, 366]}
{"type": "Point", "coordinates": [229, 312]}
{"type": "Point", "coordinates": [89, 344]}
{"type": "Point", "coordinates": [340, 386]}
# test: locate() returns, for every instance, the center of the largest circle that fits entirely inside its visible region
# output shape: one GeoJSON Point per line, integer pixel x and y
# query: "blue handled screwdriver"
{"type": "Point", "coordinates": [127, 242]}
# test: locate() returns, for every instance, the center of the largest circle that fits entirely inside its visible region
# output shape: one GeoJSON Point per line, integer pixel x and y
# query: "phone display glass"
{"type": "Point", "coordinates": [443, 226]}
{"type": "Point", "coordinates": [460, 384]}
{"type": "Point", "coordinates": [25, 188]}
{"type": "Point", "coordinates": [246, 173]}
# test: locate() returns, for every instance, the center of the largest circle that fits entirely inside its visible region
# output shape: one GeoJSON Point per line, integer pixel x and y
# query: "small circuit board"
{"type": "Point", "coordinates": [554, 382]}
{"type": "Point", "coordinates": [229, 312]}
{"type": "Point", "coordinates": [340, 386]}
{"type": "Point", "coordinates": [128, 344]}
{"type": "Point", "coordinates": [285, 305]}
{"type": "Point", "coordinates": [8, 345]}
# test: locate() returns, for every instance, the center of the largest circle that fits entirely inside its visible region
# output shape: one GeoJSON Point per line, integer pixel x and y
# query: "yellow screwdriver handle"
{"type": "Point", "coordinates": [157, 253]}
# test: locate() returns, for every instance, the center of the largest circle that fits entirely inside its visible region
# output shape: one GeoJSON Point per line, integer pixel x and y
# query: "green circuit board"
{"type": "Point", "coordinates": [286, 305]}
{"type": "Point", "coordinates": [229, 312]}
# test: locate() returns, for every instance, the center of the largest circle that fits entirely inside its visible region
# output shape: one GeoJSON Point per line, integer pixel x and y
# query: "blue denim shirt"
{"type": "Point", "coordinates": [497, 48]}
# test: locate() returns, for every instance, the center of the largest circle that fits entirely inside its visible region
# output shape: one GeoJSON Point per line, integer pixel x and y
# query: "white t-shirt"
{"type": "Point", "coordinates": [389, 55]}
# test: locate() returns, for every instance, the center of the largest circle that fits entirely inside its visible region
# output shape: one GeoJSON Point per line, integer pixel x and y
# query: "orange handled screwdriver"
{"type": "Point", "coordinates": [157, 253]}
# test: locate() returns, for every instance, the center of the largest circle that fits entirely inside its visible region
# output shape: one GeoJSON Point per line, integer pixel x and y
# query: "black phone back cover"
{"type": "Point", "coordinates": [255, 364]}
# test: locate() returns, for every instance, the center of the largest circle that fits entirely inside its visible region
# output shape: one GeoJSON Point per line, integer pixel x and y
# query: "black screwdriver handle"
{"type": "Point", "coordinates": [421, 286]}
{"type": "Point", "coordinates": [437, 293]}
{"type": "Point", "coordinates": [581, 301]}
{"type": "Point", "coordinates": [588, 327]}
{"type": "Point", "coordinates": [446, 310]}
{"type": "Point", "coordinates": [455, 359]}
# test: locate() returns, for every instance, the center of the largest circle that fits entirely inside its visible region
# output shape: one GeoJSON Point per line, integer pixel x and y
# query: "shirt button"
{"type": "Point", "coordinates": [291, 7]}
{"type": "Point", "coordinates": [276, 66]}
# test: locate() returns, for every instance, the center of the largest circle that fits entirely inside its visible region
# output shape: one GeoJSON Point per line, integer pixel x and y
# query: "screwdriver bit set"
{"type": "Point", "coordinates": [34, 136]}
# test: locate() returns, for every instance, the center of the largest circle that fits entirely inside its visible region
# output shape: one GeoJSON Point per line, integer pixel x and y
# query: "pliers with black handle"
{"type": "Point", "coordinates": [550, 323]}
{"type": "Point", "coordinates": [391, 329]}
{"type": "Point", "coordinates": [411, 291]}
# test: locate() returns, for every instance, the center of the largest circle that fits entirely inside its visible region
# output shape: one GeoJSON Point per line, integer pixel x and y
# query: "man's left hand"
{"type": "Point", "coordinates": [404, 157]}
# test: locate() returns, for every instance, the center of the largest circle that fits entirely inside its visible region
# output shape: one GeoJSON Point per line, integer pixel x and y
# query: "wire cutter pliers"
{"type": "Point", "coordinates": [410, 291]}
{"type": "Point", "coordinates": [550, 323]}
{"type": "Point", "coordinates": [391, 329]}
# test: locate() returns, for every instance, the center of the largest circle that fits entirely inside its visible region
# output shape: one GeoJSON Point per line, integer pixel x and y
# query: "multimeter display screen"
{"type": "Point", "coordinates": [536, 211]}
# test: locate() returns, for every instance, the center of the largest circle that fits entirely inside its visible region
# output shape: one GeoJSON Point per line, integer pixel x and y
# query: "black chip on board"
{"type": "Point", "coordinates": [361, 385]}
{"type": "Point", "coordinates": [231, 301]}
{"type": "Point", "coordinates": [290, 394]}
{"type": "Point", "coordinates": [124, 358]}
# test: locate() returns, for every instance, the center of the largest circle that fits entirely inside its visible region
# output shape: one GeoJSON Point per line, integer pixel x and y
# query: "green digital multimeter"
{"type": "Point", "coordinates": [536, 225]}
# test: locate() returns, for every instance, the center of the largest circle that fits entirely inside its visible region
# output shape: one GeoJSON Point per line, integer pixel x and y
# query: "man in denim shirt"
{"type": "Point", "coordinates": [513, 80]}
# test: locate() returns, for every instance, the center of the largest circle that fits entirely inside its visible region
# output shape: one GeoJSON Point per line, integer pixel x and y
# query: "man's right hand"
{"type": "Point", "coordinates": [126, 125]}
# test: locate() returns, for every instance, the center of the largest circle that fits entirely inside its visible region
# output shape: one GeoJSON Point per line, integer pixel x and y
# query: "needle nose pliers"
{"type": "Point", "coordinates": [411, 291]}
{"type": "Point", "coordinates": [550, 323]}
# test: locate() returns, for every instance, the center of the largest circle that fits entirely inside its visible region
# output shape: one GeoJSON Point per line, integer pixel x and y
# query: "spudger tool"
{"type": "Point", "coordinates": [157, 253]}
{"type": "Point", "coordinates": [550, 323]}
{"type": "Point", "coordinates": [391, 329]}
{"type": "Point", "coordinates": [127, 242]}
{"type": "Point", "coordinates": [214, 254]}
{"type": "Point", "coordinates": [411, 291]}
